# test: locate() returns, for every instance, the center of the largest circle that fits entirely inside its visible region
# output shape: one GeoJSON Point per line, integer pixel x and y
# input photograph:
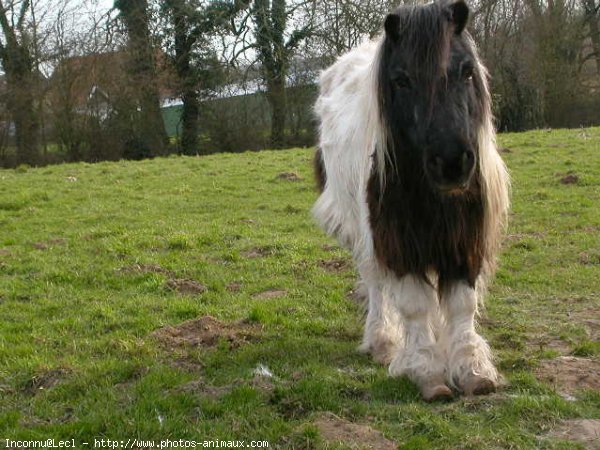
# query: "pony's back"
{"type": "Point", "coordinates": [346, 110]}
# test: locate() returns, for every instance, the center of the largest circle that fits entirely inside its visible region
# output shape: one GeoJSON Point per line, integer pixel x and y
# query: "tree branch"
{"type": "Point", "coordinates": [22, 13]}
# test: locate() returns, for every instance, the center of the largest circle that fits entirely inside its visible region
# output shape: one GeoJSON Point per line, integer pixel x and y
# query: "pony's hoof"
{"type": "Point", "coordinates": [384, 354]}
{"type": "Point", "coordinates": [476, 385]}
{"type": "Point", "coordinates": [435, 393]}
{"type": "Point", "coordinates": [382, 351]}
{"type": "Point", "coordinates": [384, 358]}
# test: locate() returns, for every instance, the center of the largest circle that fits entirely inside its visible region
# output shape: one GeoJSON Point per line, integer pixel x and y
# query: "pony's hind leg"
{"type": "Point", "coordinates": [420, 359]}
{"type": "Point", "coordinates": [382, 335]}
{"type": "Point", "coordinates": [470, 367]}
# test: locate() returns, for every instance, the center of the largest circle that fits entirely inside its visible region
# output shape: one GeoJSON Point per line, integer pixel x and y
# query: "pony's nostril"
{"type": "Point", "coordinates": [468, 160]}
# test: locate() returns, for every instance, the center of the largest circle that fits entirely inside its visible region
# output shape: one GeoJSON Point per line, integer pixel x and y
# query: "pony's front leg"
{"type": "Point", "coordinates": [470, 367]}
{"type": "Point", "coordinates": [383, 332]}
{"type": "Point", "coordinates": [420, 359]}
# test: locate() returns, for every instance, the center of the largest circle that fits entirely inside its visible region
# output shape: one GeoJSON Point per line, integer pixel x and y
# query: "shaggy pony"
{"type": "Point", "coordinates": [412, 183]}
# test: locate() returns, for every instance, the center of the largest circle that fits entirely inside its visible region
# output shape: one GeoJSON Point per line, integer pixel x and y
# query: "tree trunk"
{"type": "Point", "coordinates": [278, 102]}
{"type": "Point", "coordinates": [152, 125]}
{"type": "Point", "coordinates": [26, 125]}
{"type": "Point", "coordinates": [143, 73]}
{"type": "Point", "coordinates": [21, 101]}
{"type": "Point", "coordinates": [189, 95]}
{"type": "Point", "coordinates": [18, 67]}
{"type": "Point", "coordinates": [189, 123]}
{"type": "Point", "coordinates": [270, 20]}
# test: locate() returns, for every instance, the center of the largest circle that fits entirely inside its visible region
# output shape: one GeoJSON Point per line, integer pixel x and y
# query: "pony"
{"type": "Point", "coordinates": [412, 183]}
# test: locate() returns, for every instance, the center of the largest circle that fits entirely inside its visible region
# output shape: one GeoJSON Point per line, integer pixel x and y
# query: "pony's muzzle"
{"type": "Point", "coordinates": [451, 171]}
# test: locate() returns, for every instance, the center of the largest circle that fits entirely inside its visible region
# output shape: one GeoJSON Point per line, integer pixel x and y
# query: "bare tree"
{"type": "Point", "coordinates": [275, 49]}
{"type": "Point", "coordinates": [142, 68]}
{"type": "Point", "coordinates": [18, 64]}
{"type": "Point", "coordinates": [191, 28]}
{"type": "Point", "coordinates": [344, 24]}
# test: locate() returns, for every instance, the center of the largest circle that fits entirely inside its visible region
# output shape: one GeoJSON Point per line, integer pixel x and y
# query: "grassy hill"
{"type": "Point", "coordinates": [194, 298]}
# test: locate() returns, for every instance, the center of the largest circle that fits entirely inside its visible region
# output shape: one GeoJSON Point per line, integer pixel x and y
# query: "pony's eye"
{"type": "Point", "coordinates": [401, 81]}
{"type": "Point", "coordinates": [467, 72]}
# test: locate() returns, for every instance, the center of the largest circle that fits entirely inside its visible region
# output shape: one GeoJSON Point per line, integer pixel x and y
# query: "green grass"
{"type": "Point", "coordinates": [77, 355]}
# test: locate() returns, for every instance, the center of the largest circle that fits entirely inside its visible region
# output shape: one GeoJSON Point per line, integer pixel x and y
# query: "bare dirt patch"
{"type": "Point", "coordinates": [546, 343]}
{"type": "Point", "coordinates": [207, 332]}
{"type": "Point", "coordinates": [289, 176]}
{"type": "Point", "coordinates": [200, 387]}
{"type": "Point", "coordinates": [592, 327]}
{"type": "Point", "coordinates": [569, 179]}
{"type": "Point", "coordinates": [186, 286]}
{"type": "Point", "coordinates": [182, 360]}
{"type": "Point", "coordinates": [269, 294]}
{"type": "Point", "coordinates": [236, 286]}
{"type": "Point", "coordinates": [334, 265]}
{"type": "Point", "coordinates": [505, 150]}
{"type": "Point", "coordinates": [582, 431]}
{"type": "Point", "coordinates": [45, 245]}
{"type": "Point", "coordinates": [45, 379]}
{"type": "Point", "coordinates": [263, 383]}
{"type": "Point", "coordinates": [587, 318]}
{"type": "Point", "coordinates": [569, 373]}
{"type": "Point", "coordinates": [335, 430]}
{"type": "Point", "coordinates": [588, 259]}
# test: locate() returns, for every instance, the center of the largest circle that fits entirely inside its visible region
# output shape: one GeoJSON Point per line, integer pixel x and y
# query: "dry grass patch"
{"type": "Point", "coordinates": [582, 431]}
{"type": "Point", "coordinates": [186, 286]}
{"type": "Point", "coordinates": [45, 379]}
{"type": "Point", "coordinates": [335, 264]}
{"type": "Point", "coordinates": [337, 431]}
{"type": "Point", "coordinates": [207, 332]}
{"type": "Point", "coordinates": [289, 176]}
{"type": "Point", "coordinates": [569, 373]}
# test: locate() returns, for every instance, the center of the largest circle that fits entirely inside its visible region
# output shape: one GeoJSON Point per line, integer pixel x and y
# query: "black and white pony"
{"type": "Point", "coordinates": [412, 183]}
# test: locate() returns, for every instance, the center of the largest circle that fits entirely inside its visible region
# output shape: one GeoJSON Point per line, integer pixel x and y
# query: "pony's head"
{"type": "Point", "coordinates": [432, 95]}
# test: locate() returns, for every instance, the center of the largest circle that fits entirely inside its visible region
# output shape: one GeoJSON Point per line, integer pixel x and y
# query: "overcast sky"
{"type": "Point", "coordinates": [106, 4]}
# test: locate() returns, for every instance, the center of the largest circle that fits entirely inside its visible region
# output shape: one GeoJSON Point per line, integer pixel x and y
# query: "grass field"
{"type": "Point", "coordinates": [109, 271]}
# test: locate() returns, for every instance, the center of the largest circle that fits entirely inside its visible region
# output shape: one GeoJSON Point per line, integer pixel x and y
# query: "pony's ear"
{"type": "Point", "coordinates": [392, 26]}
{"type": "Point", "coordinates": [459, 15]}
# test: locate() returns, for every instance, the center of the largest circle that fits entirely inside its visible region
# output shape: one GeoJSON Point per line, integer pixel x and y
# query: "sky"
{"type": "Point", "coordinates": [106, 4]}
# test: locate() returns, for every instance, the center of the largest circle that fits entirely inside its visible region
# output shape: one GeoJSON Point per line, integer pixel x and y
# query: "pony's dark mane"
{"type": "Point", "coordinates": [417, 230]}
